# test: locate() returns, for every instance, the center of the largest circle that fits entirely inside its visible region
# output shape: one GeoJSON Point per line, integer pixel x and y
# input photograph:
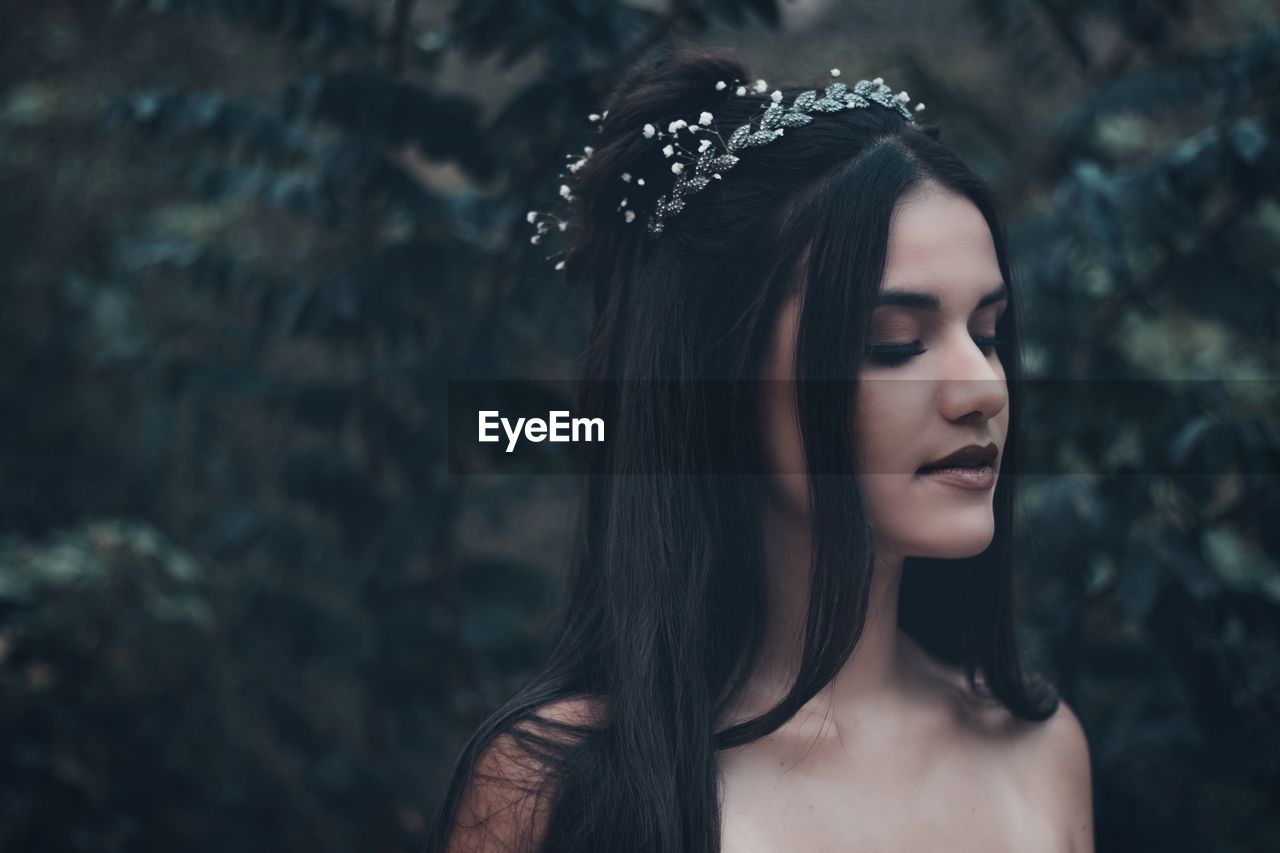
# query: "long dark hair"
{"type": "Point", "coordinates": [666, 605]}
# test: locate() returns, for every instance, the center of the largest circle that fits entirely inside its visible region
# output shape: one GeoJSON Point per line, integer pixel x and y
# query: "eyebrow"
{"type": "Point", "coordinates": [929, 302]}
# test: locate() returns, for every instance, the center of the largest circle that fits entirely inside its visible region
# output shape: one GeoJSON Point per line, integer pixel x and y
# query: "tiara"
{"type": "Point", "coordinates": [702, 160]}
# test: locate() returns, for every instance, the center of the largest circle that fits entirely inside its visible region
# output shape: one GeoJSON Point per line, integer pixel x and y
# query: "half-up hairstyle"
{"type": "Point", "coordinates": [611, 745]}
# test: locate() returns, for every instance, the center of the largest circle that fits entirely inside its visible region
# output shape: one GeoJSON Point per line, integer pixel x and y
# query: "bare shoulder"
{"type": "Point", "coordinates": [506, 803]}
{"type": "Point", "coordinates": [1052, 764]}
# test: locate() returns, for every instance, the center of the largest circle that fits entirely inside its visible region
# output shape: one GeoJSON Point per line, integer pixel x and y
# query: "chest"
{"type": "Point", "coordinates": [960, 804]}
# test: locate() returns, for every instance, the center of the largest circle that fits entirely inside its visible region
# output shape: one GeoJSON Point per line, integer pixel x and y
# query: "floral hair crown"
{"type": "Point", "coordinates": [703, 161]}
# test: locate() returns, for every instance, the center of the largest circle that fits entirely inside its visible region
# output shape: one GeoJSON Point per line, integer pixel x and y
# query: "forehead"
{"type": "Point", "coordinates": [939, 242]}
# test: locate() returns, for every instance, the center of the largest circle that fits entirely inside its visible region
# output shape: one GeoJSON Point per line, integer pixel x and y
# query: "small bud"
{"type": "Point", "coordinates": [626, 177]}
{"type": "Point", "coordinates": [648, 131]}
{"type": "Point", "coordinates": [535, 239]}
{"type": "Point", "coordinates": [721, 85]}
{"type": "Point", "coordinates": [563, 226]}
{"type": "Point", "coordinates": [531, 217]}
{"type": "Point", "coordinates": [588, 150]}
{"type": "Point", "coordinates": [919, 106]}
{"type": "Point", "coordinates": [741, 90]}
{"type": "Point", "coordinates": [593, 117]}
{"type": "Point", "coordinates": [717, 176]}
{"type": "Point", "coordinates": [639, 182]}
{"type": "Point", "coordinates": [705, 119]}
{"type": "Point", "coordinates": [677, 167]}
{"type": "Point", "coordinates": [559, 265]}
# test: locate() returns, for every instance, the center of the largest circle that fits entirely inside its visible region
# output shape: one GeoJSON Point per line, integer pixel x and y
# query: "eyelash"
{"type": "Point", "coordinates": [891, 356]}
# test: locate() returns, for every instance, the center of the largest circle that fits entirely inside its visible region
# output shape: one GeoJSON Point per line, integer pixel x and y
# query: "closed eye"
{"type": "Point", "coordinates": [892, 355]}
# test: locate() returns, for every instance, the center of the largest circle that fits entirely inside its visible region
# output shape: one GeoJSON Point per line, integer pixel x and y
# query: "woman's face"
{"type": "Point", "coordinates": [948, 392]}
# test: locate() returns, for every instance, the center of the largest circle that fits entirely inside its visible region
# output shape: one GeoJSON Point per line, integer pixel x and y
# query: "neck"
{"type": "Point", "coordinates": [876, 663]}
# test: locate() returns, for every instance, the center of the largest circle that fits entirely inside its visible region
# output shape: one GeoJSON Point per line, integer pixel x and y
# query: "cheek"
{"type": "Point", "coordinates": [891, 416]}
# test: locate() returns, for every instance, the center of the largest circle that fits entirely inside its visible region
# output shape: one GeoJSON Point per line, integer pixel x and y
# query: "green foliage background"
{"type": "Point", "coordinates": [244, 607]}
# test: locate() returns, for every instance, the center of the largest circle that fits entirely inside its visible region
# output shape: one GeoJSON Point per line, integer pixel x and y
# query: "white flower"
{"type": "Point", "coordinates": [776, 97]}
{"type": "Point", "coordinates": [535, 239]}
{"type": "Point", "coordinates": [879, 81]}
{"type": "Point", "coordinates": [835, 72]}
{"type": "Point", "coordinates": [565, 192]}
{"type": "Point", "coordinates": [761, 86]}
{"type": "Point", "coordinates": [577, 164]}
{"type": "Point", "coordinates": [704, 145]}
{"type": "Point", "coordinates": [779, 131]}
{"type": "Point", "coordinates": [676, 125]}
{"type": "Point", "coordinates": [531, 217]}
{"type": "Point", "coordinates": [741, 90]}
{"type": "Point", "coordinates": [559, 265]}
{"type": "Point", "coordinates": [677, 167]}
{"type": "Point", "coordinates": [919, 106]}
{"type": "Point", "coordinates": [649, 131]}
{"type": "Point", "coordinates": [593, 117]}
{"type": "Point", "coordinates": [639, 182]}
{"type": "Point", "coordinates": [705, 118]}
{"type": "Point", "coordinates": [904, 97]}
{"type": "Point", "coordinates": [562, 226]}
{"type": "Point", "coordinates": [630, 216]}
{"type": "Point", "coordinates": [721, 85]}
{"type": "Point", "coordinates": [717, 176]}
{"type": "Point", "coordinates": [622, 204]}
{"type": "Point", "coordinates": [626, 177]}
{"type": "Point", "coordinates": [668, 150]}
{"type": "Point", "coordinates": [588, 150]}
{"type": "Point", "coordinates": [542, 227]}
{"type": "Point", "coordinates": [604, 115]}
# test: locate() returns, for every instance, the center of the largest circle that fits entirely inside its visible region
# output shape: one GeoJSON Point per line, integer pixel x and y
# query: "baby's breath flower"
{"type": "Point", "coordinates": [626, 177]}
{"type": "Point", "coordinates": [704, 145]}
{"type": "Point", "coordinates": [562, 226]}
{"type": "Point", "coordinates": [535, 239]}
{"type": "Point", "coordinates": [565, 192]}
{"type": "Point", "coordinates": [776, 97]}
{"type": "Point", "coordinates": [904, 97]}
{"type": "Point", "coordinates": [835, 72]}
{"type": "Point", "coordinates": [705, 119]}
{"type": "Point", "coordinates": [648, 131]}
{"type": "Point", "coordinates": [879, 81]}
{"type": "Point", "coordinates": [531, 217]}
{"type": "Point", "coordinates": [721, 85]}
{"type": "Point", "coordinates": [668, 150]}
{"type": "Point", "coordinates": [741, 90]}
{"type": "Point", "coordinates": [629, 215]}
{"type": "Point", "coordinates": [919, 106]}
{"type": "Point", "coordinates": [761, 86]}
{"type": "Point", "coordinates": [559, 265]}
{"type": "Point", "coordinates": [677, 167]}
{"type": "Point", "coordinates": [676, 125]}
{"type": "Point", "coordinates": [593, 117]}
{"type": "Point", "coordinates": [639, 182]}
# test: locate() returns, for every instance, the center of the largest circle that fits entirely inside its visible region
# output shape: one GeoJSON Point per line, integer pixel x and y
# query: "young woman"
{"type": "Point", "coordinates": [790, 623]}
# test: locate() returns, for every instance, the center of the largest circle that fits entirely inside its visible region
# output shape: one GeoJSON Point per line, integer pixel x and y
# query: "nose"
{"type": "Point", "coordinates": [974, 381]}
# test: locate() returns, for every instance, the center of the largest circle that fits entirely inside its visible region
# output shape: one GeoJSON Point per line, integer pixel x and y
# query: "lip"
{"type": "Point", "coordinates": [968, 456]}
{"type": "Point", "coordinates": [978, 479]}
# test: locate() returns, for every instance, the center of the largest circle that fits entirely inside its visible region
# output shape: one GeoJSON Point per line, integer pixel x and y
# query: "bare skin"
{"type": "Point", "coordinates": [894, 755]}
